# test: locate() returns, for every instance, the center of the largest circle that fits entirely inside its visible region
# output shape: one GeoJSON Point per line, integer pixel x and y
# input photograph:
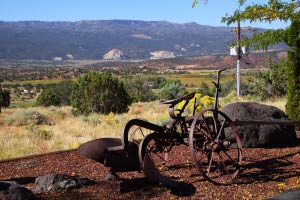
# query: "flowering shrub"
{"type": "Point", "coordinates": [199, 102]}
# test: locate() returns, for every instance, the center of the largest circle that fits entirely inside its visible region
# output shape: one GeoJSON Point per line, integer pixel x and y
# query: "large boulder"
{"type": "Point", "coordinates": [261, 135]}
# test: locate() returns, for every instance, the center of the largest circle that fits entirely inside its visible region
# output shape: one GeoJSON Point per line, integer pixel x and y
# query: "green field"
{"type": "Point", "coordinates": [34, 82]}
{"type": "Point", "coordinates": [190, 78]}
{"type": "Point", "coordinates": [194, 78]}
{"type": "Point", "coordinates": [23, 104]}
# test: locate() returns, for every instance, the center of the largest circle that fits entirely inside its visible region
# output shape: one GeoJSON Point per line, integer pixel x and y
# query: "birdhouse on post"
{"type": "Point", "coordinates": [234, 51]}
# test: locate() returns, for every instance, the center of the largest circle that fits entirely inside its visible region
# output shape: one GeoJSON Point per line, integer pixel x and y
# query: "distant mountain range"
{"type": "Point", "coordinates": [41, 40]}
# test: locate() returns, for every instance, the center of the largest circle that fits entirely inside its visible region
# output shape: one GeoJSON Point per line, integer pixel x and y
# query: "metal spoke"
{"type": "Point", "coordinates": [142, 131]}
{"type": "Point", "coordinates": [210, 162]}
{"type": "Point", "coordinates": [215, 124]}
{"type": "Point", "coordinates": [229, 156]}
{"type": "Point", "coordinates": [207, 127]}
{"type": "Point", "coordinates": [219, 169]}
{"type": "Point", "coordinates": [220, 131]}
{"type": "Point", "coordinates": [225, 167]}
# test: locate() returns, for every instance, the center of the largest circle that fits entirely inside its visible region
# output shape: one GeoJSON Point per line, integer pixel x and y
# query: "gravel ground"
{"type": "Point", "coordinates": [265, 173]}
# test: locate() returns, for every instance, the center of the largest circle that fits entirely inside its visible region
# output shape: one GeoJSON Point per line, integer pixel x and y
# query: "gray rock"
{"type": "Point", "coordinates": [292, 194]}
{"type": "Point", "coordinates": [59, 182]}
{"type": "Point", "coordinates": [261, 135]}
{"type": "Point", "coordinates": [4, 185]}
{"type": "Point", "coordinates": [10, 190]}
{"type": "Point", "coordinates": [111, 176]}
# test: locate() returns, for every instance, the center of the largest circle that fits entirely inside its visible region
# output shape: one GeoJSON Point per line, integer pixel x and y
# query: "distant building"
{"type": "Point", "coordinates": [149, 84]}
{"type": "Point", "coordinates": [70, 56]}
{"type": "Point", "coordinates": [57, 59]}
{"type": "Point", "coordinates": [28, 92]}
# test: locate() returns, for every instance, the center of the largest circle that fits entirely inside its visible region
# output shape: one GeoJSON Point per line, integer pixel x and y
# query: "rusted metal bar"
{"type": "Point", "coordinates": [262, 122]}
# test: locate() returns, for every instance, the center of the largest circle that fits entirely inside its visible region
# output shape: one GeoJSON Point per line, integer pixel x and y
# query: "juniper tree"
{"type": "Point", "coordinates": [4, 98]}
{"type": "Point", "coordinates": [103, 93]}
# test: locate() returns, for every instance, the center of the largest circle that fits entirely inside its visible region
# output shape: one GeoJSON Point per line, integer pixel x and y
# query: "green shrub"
{"type": "Point", "coordinates": [101, 93]}
{"type": "Point", "coordinates": [171, 90]}
{"type": "Point", "coordinates": [268, 84]}
{"type": "Point", "coordinates": [93, 120]}
{"type": "Point", "coordinates": [138, 91]}
{"type": "Point", "coordinates": [4, 98]}
{"type": "Point", "coordinates": [48, 97]}
{"type": "Point", "coordinates": [205, 90]}
{"type": "Point", "coordinates": [44, 134]}
{"type": "Point", "coordinates": [56, 94]}
{"type": "Point", "coordinates": [227, 87]}
{"type": "Point", "coordinates": [293, 70]}
{"type": "Point", "coordinates": [25, 117]}
{"type": "Point", "coordinates": [158, 81]}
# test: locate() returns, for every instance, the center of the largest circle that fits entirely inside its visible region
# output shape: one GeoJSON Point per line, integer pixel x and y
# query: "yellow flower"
{"type": "Point", "coordinates": [201, 103]}
{"type": "Point", "coordinates": [207, 101]}
{"type": "Point", "coordinates": [281, 185]}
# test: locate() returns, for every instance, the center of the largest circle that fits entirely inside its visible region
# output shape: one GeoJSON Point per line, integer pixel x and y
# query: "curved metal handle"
{"type": "Point", "coordinates": [218, 88]}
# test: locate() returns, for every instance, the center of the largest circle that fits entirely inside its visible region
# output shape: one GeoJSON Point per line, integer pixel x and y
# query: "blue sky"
{"type": "Point", "coordinates": [179, 11]}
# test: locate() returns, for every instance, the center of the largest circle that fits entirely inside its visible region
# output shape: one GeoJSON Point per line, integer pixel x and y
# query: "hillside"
{"type": "Point", "coordinates": [41, 40]}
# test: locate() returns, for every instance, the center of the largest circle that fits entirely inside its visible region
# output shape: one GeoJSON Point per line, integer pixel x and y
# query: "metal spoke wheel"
{"type": "Point", "coordinates": [215, 147]}
{"type": "Point", "coordinates": [135, 130]}
{"type": "Point", "coordinates": [154, 154]}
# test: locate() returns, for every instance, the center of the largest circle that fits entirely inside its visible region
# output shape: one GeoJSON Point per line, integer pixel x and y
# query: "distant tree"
{"type": "Point", "coordinates": [158, 81]}
{"type": "Point", "coordinates": [48, 97]}
{"type": "Point", "coordinates": [64, 89]}
{"type": "Point", "coordinates": [94, 92]}
{"type": "Point", "coordinates": [204, 89]}
{"type": "Point", "coordinates": [4, 98]}
{"type": "Point", "coordinates": [27, 86]}
{"type": "Point", "coordinates": [226, 88]}
{"type": "Point", "coordinates": [171, 90]}
{"type": "Point", "coordinates": [138, 90]}
{"type": "Point", "coordinates": [38, 86]}
{"type": "Point", "coordinates": [56, 94]}
{"type": "Point", "coordinates": [293, 71]}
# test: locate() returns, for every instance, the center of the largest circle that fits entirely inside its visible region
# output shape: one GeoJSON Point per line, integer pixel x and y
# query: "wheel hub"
{"type": "Point", "coordinates": [217, 145]}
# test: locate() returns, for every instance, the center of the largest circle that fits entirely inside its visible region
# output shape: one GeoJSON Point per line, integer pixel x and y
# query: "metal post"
{"type": "Point", "coordinates": [239, 55]}
{"type": "Point", "coordinates": [238, 75]}
{"type": "Point", "coordinates": [238, 79]}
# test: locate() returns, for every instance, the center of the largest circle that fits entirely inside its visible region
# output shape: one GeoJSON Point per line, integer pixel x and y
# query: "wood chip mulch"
{"type": "Point", "coordinates": [266, 172]}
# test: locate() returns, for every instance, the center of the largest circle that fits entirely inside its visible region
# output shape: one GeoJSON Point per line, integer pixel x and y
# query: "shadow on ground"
{"type": "Point", "coordinates": [272, 169]}
{"type": "Point", "coordinates": [143, 184]}
{"type": "Point", "coordinates": [22, 180]}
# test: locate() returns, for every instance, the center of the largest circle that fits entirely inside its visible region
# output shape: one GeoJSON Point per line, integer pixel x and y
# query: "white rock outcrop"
{"type": "Point", "coordinates": [114, 54]}
{"type": "Point", "coordinates": [162, 54]}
